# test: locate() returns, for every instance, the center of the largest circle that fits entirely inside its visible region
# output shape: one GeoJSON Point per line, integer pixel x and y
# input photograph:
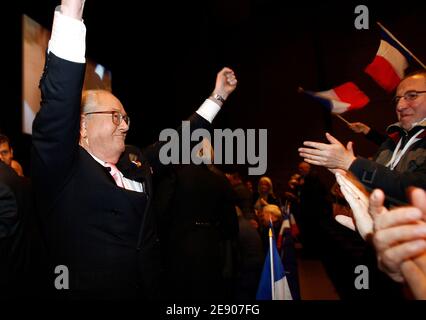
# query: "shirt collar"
{"type": "Point", "coordinates": [97, 159]}
{"type": "Point", "coordinates": [397, 126]}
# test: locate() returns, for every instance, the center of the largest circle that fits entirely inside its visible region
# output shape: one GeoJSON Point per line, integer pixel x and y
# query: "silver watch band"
{"type": "Point", "coordinates": [218, 97]}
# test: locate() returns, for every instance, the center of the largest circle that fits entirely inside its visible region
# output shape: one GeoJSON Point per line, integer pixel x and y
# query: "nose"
{"type": "Point", "coordinates": [401, 105]}
{"type": "Point", "coordinates": [124, 127]}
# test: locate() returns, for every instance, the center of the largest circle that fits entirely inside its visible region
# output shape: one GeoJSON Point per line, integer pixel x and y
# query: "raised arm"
{"type": "Point", "coordinates": [225, 84]}
{"type": "Point", "coordinates": [57, 124]}
{"type": "Point", "coordinates": [394, 184]}
{"type": "Point", "coordinates": [73, 8]}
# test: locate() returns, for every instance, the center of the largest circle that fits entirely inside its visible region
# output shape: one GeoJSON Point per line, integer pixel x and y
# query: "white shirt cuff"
{"type": "Point", "coordinates": [208, 110]}
{"type": "Point", "coordinates": [68, 38]}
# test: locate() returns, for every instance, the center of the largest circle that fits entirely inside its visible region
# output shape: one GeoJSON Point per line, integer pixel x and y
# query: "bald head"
{"type": "Point", "coordinates": [98, 100]}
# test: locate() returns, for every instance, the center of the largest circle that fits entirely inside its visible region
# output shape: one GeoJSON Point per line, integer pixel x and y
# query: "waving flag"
{"type": "Point", "coordinates": [388, 67]}
{"type": "Point", "coordinates": [273, 283]}
{"type": "Point", "coordinates": [287, 251]}
{"type": "Point", "coordinates": [342, 98]}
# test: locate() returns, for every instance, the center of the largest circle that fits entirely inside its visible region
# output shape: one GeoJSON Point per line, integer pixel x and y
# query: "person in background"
{"type": "Point", "coordinates": [6, 155]}
{"type": "Point", "coordinates": [400, 161]}
{"type": "Point", "coordinates": [265, 194]}
{"type": "Point", "coordinates": [398, 234]}
{"type": "Point", "coordinates": [243, 197]}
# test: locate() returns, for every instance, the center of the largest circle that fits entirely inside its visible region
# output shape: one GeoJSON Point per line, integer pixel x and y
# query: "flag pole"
{"type": "Point", "coordinates": [271, 257]}
{"type": "Point", "coordinates": [397, 41]}
{"type": "Point", "coordinates": [343, 119]}
{"type": "Point", "coordinates": [301, 90]}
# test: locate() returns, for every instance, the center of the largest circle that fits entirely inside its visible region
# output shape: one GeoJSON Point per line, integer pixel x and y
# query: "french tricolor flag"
{"type": "Point", "coordinates": [342, 98]}
{"type": "Point", "coordinates": [273, 284]}
{"type": "Point", "coordinates": [388, 67]}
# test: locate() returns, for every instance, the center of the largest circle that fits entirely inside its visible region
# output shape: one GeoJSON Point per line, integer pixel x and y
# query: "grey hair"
{"type": "Point", "coordinates": [90, 99]}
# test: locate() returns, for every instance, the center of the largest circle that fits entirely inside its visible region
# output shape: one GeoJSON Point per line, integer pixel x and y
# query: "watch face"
{"type": "Point", "coordinates": [218, 97]}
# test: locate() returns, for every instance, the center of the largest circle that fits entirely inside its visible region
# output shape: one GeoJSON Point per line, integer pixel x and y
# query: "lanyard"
{"type": "Point", "coordinates": [397, 154]}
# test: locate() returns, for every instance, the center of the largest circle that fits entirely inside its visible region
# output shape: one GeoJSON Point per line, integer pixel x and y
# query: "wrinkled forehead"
{"type": "Point", "coordinates": [416, 82]}
{"type": "Point", "coordinates": [102, 101]}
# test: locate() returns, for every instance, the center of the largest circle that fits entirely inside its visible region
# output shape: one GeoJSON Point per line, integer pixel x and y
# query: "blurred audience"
{"type": "Point", "coordinates": [265, 195]}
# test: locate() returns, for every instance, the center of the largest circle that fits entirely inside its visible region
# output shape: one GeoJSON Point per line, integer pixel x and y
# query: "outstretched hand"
{"type": "Point", "coordinates": [332, 156]}
{"type": "Point", "coordinates": [361, 220]}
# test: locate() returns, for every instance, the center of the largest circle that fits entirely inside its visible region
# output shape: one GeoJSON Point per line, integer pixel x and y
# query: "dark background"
{"type": "Point", "coordinates": [164, 57]}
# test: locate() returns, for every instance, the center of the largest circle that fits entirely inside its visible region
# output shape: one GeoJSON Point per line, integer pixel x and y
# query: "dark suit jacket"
{"type": "Point", "coordinates": [9, 184]}
{"type": "Point", "coordinates": [15, 211]}
{"type": "Point", "coordinates": [105, 235]}
{"type": "Point", "coordinates": [197, 231]}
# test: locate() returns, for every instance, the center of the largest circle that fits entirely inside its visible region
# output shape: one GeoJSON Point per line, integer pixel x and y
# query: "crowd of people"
{"type": "Point", "coordinates": [125, 225]}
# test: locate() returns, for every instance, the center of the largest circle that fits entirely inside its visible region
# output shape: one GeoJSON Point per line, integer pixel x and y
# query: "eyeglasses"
{"type": "Point", "coordinates": [117, 117]}
{"type": "Point", "coordinates": [408, 96]}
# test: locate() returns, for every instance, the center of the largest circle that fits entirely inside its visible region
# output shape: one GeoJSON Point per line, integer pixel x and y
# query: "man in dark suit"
{"type": "Point", "coordinates": [15, 211]}
{"type": "Point", "coordinates": [93, 193]}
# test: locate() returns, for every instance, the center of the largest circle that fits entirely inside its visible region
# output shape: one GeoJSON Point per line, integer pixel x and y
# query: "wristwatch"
{"type": "Point", "coordinates": [218, 97]}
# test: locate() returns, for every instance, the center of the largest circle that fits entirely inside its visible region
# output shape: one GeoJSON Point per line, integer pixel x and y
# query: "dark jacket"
{"type": "Point", "coordinates": [410, 171]}
{"type": "Point", "coordinates": [244, 200]}
{"type": "Point", "coordinates": [17, 227]}
{"type": "Point", "coordinates": [197, 232]}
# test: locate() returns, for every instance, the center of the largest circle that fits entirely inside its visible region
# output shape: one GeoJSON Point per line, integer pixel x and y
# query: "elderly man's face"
{"type": "Point", "coordinates": [6, 153]}
{"type": "Point", "coordinates": [411, 111]}
{"type": "Point", "coordinates": [101, 133]}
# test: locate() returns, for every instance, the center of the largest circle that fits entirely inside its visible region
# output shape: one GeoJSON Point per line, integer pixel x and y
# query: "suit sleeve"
{"type": "Point", "coordinates": [56, 126]}
{"type": "Point", "coordinates": [393, 184]}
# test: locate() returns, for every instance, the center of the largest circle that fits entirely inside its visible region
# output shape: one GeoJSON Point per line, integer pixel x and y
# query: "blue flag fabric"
{"type": "Point", "coordinates": [288, 253]}
{"type": "Point", "coordinates": [281, 289]}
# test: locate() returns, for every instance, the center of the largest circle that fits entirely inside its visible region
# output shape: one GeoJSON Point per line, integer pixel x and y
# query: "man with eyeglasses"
{"type": "Point", "coordinates": [400, 161]}
{"type": "Point", "coordinates": [92, 191]}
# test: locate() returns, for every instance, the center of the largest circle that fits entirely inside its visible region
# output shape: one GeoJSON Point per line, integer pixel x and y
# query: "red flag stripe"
{"type": "Point", "coordinates": [383, 73]}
